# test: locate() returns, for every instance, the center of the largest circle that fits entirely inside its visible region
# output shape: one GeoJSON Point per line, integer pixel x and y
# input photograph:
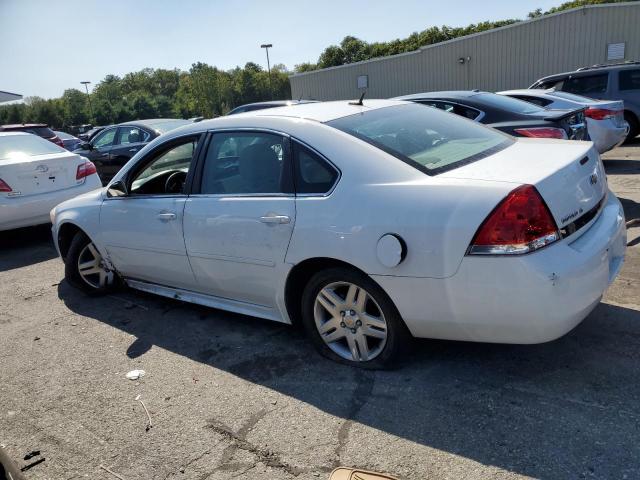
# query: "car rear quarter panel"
{"type": "Point", "coordinates": [379, 194]}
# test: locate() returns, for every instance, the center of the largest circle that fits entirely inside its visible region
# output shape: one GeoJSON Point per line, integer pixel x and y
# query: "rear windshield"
{"type": "Point", "coordinates": [429, 139]}
{"type": "Point", "coordinates": [572, 97]}
{"type": "Point", "coordinates": [508, 103]}
{"type": "Point", "coordinates": [16, 146]}
{"type": "Point", "coordinates": [164, 127]}
{"type": "Point", "coordinates": [45, 132]}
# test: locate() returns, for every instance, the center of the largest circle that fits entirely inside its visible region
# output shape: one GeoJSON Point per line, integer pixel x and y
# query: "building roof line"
{"type": "Point", "coordinates": [465, 37]}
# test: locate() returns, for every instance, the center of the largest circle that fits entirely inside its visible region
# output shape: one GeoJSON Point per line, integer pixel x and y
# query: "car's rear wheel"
{"type": "Point", "coordinates": [85, 268]}
{"type": "Point", "coordinates": [350, 319]}
{"type": "Point", "coordinates": [634, 126]}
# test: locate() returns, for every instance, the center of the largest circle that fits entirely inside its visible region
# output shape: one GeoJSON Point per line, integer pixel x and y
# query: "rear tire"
{"type": "Point", "coordinates": [634, 126]}
{"type": "Point", "coordinates": [351, 320]}
{"type": "Point", "coordinates": [84, 267]}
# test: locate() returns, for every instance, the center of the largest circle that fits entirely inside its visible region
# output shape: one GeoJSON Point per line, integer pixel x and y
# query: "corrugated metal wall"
{"type": "Point", "coordinates": [501, 59]}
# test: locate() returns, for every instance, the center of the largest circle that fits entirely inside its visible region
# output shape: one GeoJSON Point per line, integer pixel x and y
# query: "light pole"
{"type": "Point", "coordinates": [86, 87]}
{"type": "Point", "coordinates": [267, 46]}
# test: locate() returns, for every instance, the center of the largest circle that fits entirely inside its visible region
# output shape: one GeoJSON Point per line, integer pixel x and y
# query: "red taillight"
{"type": "Point", "coordinates": [521, 223]}
{"type": "Point", "coordinates": [542, 132]}
{"type": "Point", "coordinates": [600, 113]}
{"type": "Point", "coordinates": [4, 187]}
{"type": "Point", "coordinates": [85, 169]}
{"type": "Point", "coordinates": [58, 141]}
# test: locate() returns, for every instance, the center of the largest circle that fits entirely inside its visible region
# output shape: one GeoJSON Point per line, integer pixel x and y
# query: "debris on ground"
{"type": "Point", "coordinates": [135, 374]}
{"type": "Point", "coordinates": [149, 426]}
{"type": "Point", "coordinates": [33, 464]}
{"type": "Point", "coordinates": [111, 472]}
{"type": "Point", "coordinates": [30, 455]}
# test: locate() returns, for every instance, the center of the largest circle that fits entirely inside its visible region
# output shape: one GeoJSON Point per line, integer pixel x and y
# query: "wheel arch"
{"type": "Point", "coordinates": [66, 232]}
{"type": "Point", "coordinates": [299, 277]}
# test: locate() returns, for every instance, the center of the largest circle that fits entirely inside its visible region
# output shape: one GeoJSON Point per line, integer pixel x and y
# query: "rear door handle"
{"type": "Point", "coordinates": [279, 219]}
{"type": "Point", "coordinates": [166, 216]}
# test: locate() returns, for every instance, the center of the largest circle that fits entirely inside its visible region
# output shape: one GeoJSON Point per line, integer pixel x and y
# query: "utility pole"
{"type": "Point", "coordinates": [267, 46]}
{"type": "Point", "coordinates": [86, 87]}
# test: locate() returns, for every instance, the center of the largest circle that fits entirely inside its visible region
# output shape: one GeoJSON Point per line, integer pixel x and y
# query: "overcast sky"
{"type": "Point", "coordinates": [47, 46]}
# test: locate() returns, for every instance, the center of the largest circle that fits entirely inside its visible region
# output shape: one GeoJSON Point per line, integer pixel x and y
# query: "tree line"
{"type": "Point", "coordinates": [154, 93]}
{"type": "Point", "coordinates": [207, 91]}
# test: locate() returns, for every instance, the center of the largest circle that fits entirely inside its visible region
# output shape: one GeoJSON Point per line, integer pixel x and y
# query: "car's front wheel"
{"type": "Point", "coordinates": [85, 268]}
{"type": "Point", "coordinates": [350, 319]}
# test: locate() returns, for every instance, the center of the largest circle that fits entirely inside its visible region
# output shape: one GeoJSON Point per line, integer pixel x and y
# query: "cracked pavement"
{"type": "Point", "coordinates": [237, 397]}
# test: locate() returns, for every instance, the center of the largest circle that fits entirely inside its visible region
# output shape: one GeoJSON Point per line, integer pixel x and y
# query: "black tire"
{"type": "Point", "coordinates": [398, 337]}
{"type": "Point", "coordinates": [634, 126]}
{"type": "Point", "coordinates": [71, 270]}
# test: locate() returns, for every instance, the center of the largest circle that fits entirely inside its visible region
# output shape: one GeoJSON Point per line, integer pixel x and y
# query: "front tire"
{"type": "Point", "coordinates": [351, 320]}
{"type": "Point", "coordinates": [85, 268]}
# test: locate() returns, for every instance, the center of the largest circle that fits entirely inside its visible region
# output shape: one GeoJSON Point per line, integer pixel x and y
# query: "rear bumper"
{"type": "Point", "coordinates": [17, 212]}
{"type": "Point", "coordinates": [606, 135]}
{"type": "Point", "coordinates": [526, 299]}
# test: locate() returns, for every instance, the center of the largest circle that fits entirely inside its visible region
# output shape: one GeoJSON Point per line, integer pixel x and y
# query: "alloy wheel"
{"type": "Point", "coordinates": [92, 269]}
{"type": "Point", "coordinates": [350, 322]}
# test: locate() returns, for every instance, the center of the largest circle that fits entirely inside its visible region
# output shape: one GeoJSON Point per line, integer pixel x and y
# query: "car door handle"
{"type": "Point", "coordinates": [279, 219]}
{"type": "Point", "coordinates": [133, 150]}
{"type": "Point", "coordinates": [166, 216]}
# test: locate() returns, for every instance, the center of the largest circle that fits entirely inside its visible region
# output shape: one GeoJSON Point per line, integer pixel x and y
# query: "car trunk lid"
{"type": "Point", "coordinates": [573, 122]}
{"type": "Point", "coordinates": [32, 175]}
{"type": "Point", "coordinates": [568, 175]}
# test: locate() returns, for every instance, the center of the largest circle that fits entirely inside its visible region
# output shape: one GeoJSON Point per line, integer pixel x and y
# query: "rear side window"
{"type": "Point", "coordinates": [629, 79]}
{"type": "Point", "coordinates": [127, 135]}
{"type": "Point", "coordinates": [426, 138]}
{"type": "Point", "coordinates": [585, 85]}
{"type": "Point", "coordinates": [507, 103]}
{"type": "Point", "coordinates": [313, 175]}
{"type": "Point", "coordinates": [541, 102]}
{"type": "Point", "coordinates": [16, 146]}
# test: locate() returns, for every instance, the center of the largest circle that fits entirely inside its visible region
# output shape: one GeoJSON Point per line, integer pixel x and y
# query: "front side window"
{"type": "Point", "coordinates": [313, 175]}
{"type": "Point", "coordinates": [127, 135]}
{"type": "Point", "coordinates": [585, 85]}
{"type": "Point", "coordinates": [246, 163]}
{"type": "Point", "coordinates": [629, 79]}
{"type": "Point", "coordinates": [166, 172]}
{"type": "Point", "coordinates": [105, 139]}
{"type": "Point", "coordinates": [425, 138]}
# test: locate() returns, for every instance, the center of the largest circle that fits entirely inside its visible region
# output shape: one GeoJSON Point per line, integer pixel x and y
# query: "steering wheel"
{"type": "Point", "coordinates": [175, 182]}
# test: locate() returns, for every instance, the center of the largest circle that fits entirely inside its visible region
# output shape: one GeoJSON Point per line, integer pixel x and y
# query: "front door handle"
{"type": "Point", "coordinates": [279, 219]}
{"type": "Point", "coordinates": [166, 216]}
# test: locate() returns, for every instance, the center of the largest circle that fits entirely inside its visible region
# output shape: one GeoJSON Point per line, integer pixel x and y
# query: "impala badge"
{"type": "Point", "coordinates": [42, 168]}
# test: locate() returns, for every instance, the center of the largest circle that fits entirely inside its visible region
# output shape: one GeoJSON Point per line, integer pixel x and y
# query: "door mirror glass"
{"type": "Point", "coordinates": [117, 189]}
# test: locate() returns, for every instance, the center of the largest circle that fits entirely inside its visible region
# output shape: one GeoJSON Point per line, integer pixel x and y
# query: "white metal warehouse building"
{"type": "Point", "coordinates": [504, 58]}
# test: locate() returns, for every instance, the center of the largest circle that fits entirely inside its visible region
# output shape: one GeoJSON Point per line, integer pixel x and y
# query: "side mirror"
{"type": "Point", "coordinates": [86, 146]}
{"type": "Point", "coordinates": [117, 189]}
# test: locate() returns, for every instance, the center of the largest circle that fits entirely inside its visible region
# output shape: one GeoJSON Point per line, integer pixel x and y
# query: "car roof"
{"type": "Point", "coordinates": [445, 94]}
{"type": "Point", "coordinates": [277, 103]}
{"type": "Point", "coordinates": [321, 111]}
{"type": "Point", "coordinates": [584, 71]}
{"type": "Point", "coordinates": [149, 121]}
{"type": "Point", "coordinates": [528, 91]}
{"type": "Point", "coordinates": [24, 125]}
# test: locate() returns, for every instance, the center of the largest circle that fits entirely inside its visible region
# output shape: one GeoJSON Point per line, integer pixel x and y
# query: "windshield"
{"type": "Point", "coordinates": [164, 127]}
{"type": "Point", "coordinates": [16, 146]}
{"type": "Point", "coordinates": [429, 139]}
{"type": "Point", "coordinates": [508, 103]}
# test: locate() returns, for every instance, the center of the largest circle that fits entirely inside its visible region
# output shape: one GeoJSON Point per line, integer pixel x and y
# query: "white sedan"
{"type": "Point", "coordinates": [366, 223]}
{"type": "Point", "coordinates": [605, 118]}
{"type": "Point", "coordinates": [36, 175]}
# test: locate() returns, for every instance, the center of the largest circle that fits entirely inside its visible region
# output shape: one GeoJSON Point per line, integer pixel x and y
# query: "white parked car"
{"type": "Point", "coordinates": [366, 223]}
{"type": "Point", "coordinates": [35, 176]}
{"type": "Point", "coordinates": [605, 118]}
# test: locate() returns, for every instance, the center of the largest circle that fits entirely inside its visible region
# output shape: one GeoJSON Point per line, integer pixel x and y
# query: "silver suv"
{"type": "Point", "coordinates": [607, 82]}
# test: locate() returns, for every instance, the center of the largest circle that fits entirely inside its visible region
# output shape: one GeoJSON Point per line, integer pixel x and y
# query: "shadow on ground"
{"type": "Point", "coordinates": [566, 409]}
{"type": "Point", "coordinates": [25, 246]}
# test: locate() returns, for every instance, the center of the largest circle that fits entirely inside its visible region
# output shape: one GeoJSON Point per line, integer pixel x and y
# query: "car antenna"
{"type": "Point", "coordinates": [359, 102]}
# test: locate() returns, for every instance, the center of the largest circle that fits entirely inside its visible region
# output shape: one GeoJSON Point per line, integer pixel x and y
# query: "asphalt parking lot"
{"type": "Point", "coordinates": [235, 397]}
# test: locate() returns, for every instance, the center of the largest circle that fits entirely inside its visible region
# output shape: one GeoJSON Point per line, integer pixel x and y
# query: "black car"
{"type": "Point", "coordinates": [110, 149]}
{"type": "Point", "coordinates": [88, 134]}
{"type": "Point", "coordinates": [515, 117]}
{"type": "Point", "coordinates": [249, 107]}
